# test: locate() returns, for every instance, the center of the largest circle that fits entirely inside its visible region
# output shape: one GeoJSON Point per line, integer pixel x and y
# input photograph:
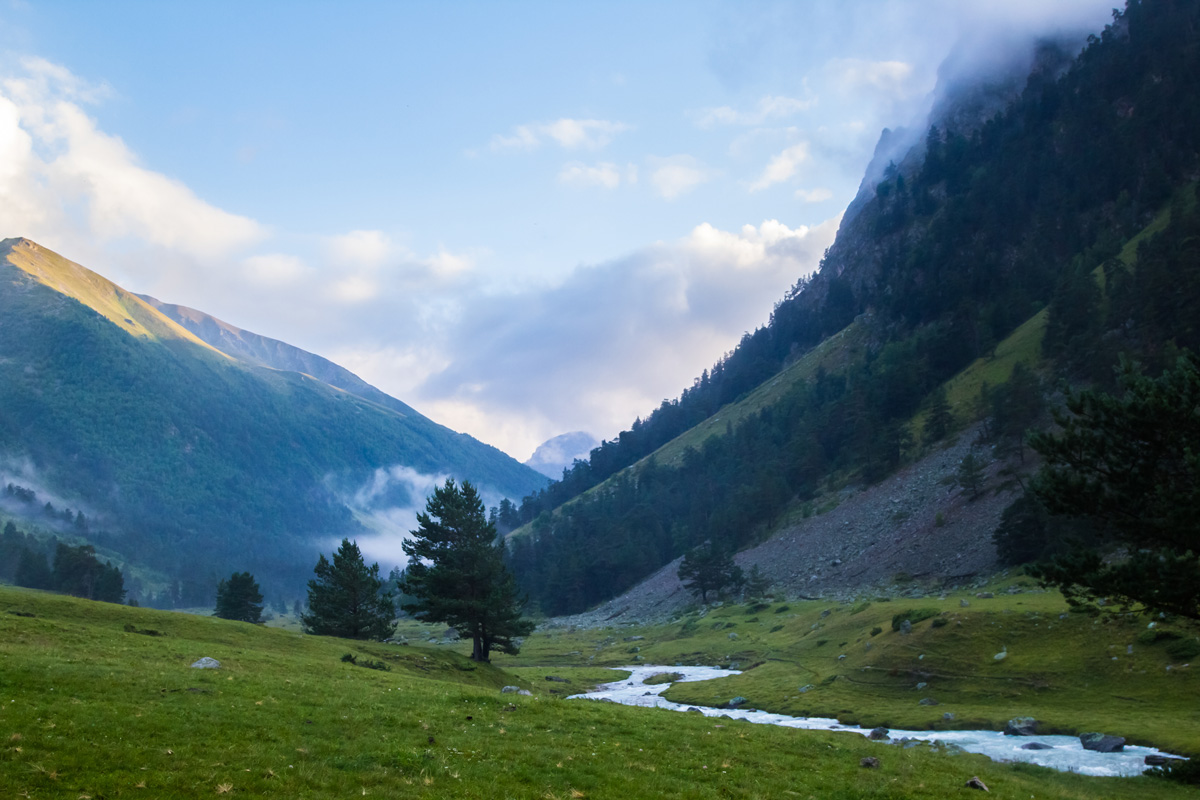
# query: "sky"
{"type": "Point", "coordinates": [522, 219]}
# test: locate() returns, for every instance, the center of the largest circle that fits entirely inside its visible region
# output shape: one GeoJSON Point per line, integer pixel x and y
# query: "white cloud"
{"type": "Point", "coordinates": [769, 107]}
{"type": "Point", "coordinates": [818, 195]}
{"type": "Point", "coordinates": [569, 134]}
{"type": "Point", "coordinates": [605, 174]}
{"type": "Point", "coordinates": [676, 175]}
{"type": "Point", "coordinates": [360, 248]}
{"type": "Point", "coordinates": [782, 167]}
{"type": "Point", "coordinates": [68, 173]}
{"type": "Point", "coordinates": [275, 269]}
{"type": "Point", "coordinates": [881, 76]}
{"type": "Point", "coordinates": [354, 289]}
{"type": "Point", "coordinates": [612, 340]}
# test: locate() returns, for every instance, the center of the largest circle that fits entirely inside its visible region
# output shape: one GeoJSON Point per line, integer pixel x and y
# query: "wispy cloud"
{"type": "Point", "coordinates": [605, 174]}
{"type": "Point", "coordinates": [818, 195]}
{"type": "Point", "coordinates": [768, 108]}
{"type": "Point", "coordinates": [677, 175]}
{"type": "Point", "coordinates": [883, 76]}
{"type": "Point", "coordinates": [782, 167]}
{"type": "Point", "coordinates": [569, 134]}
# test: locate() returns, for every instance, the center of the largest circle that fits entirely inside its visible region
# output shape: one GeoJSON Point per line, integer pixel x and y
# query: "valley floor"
{"type": "Point", "coordinates": [99, 700]}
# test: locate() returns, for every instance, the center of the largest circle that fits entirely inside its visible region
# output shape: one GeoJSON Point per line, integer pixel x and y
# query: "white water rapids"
{"type": "Point", "coordinates": [1065, 753]}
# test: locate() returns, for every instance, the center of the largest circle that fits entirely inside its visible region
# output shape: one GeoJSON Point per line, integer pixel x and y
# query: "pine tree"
{"type": "Point", "coordinates": [457, 573]}
{"type": "Point", "coordinates": [346, 599]}
{"type": "Point", "coordinates": [940, 419]}
{"type": "Point", "coordinates": [1131, 465]}
{"type": "Point", "coordinates": [239, 598]}
{"type": "Point", "coordinates": [709, 568]}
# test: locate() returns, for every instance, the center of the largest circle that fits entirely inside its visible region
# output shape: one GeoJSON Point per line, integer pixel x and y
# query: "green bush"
{"type": "Point", "coordinates": [939, 622]}
{"type": "Point", "coordinates": [782, 609]}
{"type": "Point", "coordinates": [776, 629]}
{"type": "Point", "coordinates": [1183, 649]}
{"type": "Point", "coordinates": [913, 615]}
{"type": "Point", "coordinates": [876, 630]}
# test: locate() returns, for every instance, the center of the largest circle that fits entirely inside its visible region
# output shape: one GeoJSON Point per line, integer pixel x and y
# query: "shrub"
{"type": "Point", "coordinates": [913, 615]}
{"type": "Point", "coordinates": [939, 622]}
{"type": "Point", "coordinates": [782, 609]}
{"type": "Point", "coordinates": [1183, 649]}
{"type": "Point", "coordinates": [776, 629]}
{"type": "Point", "coordinates": [876, 630]}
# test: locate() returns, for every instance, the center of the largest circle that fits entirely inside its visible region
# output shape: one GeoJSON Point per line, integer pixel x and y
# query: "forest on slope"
{"type": "Point", "coordinates": [950, 255]}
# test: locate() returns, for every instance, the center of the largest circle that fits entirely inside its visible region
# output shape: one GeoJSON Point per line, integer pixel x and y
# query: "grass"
{"type": "Point", "coordinates": [90, 709]}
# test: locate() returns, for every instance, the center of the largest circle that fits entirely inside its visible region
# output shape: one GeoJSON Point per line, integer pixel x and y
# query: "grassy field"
{"type": "Point", "coordinates": [98, 700]}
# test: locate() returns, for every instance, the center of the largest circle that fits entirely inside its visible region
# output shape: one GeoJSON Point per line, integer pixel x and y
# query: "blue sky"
{"type": "Point", "coordinates": [521, 218]}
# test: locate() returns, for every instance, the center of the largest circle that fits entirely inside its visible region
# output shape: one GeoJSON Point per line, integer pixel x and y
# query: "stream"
{"type": "Point", "coordinates": [1065, 753]}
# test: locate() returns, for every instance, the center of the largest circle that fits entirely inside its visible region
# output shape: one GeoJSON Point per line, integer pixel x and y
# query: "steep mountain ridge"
{"type": "Point", "coordinates": [940, 266]}
{"type": "Point", "coordinates": [189, 461]}
{"type": "Point", "coordinates": [264, 351]}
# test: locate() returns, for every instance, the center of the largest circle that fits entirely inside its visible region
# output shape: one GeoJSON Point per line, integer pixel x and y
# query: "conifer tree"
{"type": "Point", "coordinates": [709, 568]}
{"type": "Point", "coordinates": [346, 599]}
{"type": "Point", "coordinates": [457, 573]}
{"type": "Point", "coordinates": [239, 598]}
{"type": "Point", "coordinates": [1131, 465]}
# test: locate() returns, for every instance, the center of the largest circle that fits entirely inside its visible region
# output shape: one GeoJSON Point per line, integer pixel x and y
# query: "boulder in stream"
{"type": "Point", "coordinates": [1102, 742]}
{"type": "Point", "coordinates": [1021, 726]}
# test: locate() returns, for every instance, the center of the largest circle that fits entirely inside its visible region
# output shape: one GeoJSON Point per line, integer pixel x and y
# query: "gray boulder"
{"type": "Point", "coordinates": [736, 702]}
{"type": "Point", "coordinates": [207, 663]}
{"type": "Point", "coordinates": [878, 734]}
{"type": "Point", "coordinates": [808, 687]}
{"type": "Point", "coordinates": [1102, 742]}
{"type": "Point", "coordinates": [510, 689]}
{"type": "Point", "coordinates": [870, 762]}
{"type": "Point", "coordinates": [1037, 746]}
{"type": "Point", "coordinates": [1021, 726]}
{"type": "Point", "coordinates": [975, 783]}
{"type": "Point", "coordinates": [525, 693]}
{"type": "Point", "coordinates": [906, 627]}
{"type": "Point", "coordinates": [927, 701]}
{"type": "Point", "coordinates": [1155, 760]}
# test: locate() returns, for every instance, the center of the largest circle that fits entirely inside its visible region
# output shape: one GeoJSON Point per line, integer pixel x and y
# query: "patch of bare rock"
{"type": "Point", "coordinates": [914, 529]}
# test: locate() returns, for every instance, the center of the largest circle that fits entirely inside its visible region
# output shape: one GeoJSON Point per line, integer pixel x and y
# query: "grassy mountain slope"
{"type": "Point", "coordinates": [196, 463]}
{"type": "Point", "coordinates": [965, 259]}
{"type": "Point", "coordinates": [264, 351]}
{"type": "Point", "coordinates": [100, 701]}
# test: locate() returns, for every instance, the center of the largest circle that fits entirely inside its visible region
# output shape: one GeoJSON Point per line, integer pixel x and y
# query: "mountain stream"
{"type": "Point", "coordinates": [1064, 752]}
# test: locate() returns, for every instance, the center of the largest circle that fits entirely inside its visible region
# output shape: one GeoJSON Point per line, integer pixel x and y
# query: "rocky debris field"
{"type": "Point", "coordinates": [911, 530]}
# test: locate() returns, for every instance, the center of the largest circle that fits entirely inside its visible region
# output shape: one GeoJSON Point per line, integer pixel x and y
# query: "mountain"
{"type": "Point", "coordinates": [263, 351]}
{"type": "Point", "coordinates": [1030, 223]}
{"type": "Point", "coordinates": [192, 462]}
{"type": "Point", "coordinates": [554, 455]}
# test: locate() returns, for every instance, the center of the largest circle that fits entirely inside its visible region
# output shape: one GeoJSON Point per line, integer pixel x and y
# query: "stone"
{"type": "Point", "coordinates": [556, 679]}
{"type": "Point", "coordinates": [732, 636]}
{"type": "Point", "coordinates": [964, 603]}
{"type": "Point", "coordinates": [927, 701]}
{"type": "Point", "coordinates": [1155, 760]}
{"type": "Point", "coordinates": [949, 715]}
{"type": "Point", "coordinates": [870, 762]}
{"type": "Point", "coordinates": [525, 693]}
{"type": "Point", "coordinates": [808, 687]}
{"type": "Point", "coordinates": [878, 734]}
{"type": "Point", "coordinates": [984, 595]}
{"type": "Point", "coordinates": [735, 702]}
{"type": "Point", "coordinates": [921, 685]}
{"type": "Point", "coordinates": [975, 783]}
{"type": "Point", "coordinates": [510, 689]}
{"type": "Point", "coordinates": [1003, 654]}
{"type": "Point", "coordinates": [1021, 726]}
{"type": "Point", "coordinates": [1102, 742]}
{"type": "Point", "coordinates": [207, 663]}
{"type": "Point", "coordinates": [1037, 746]}
{"type": "Point", "coordinates": [906, 627]}
{"type": "Point", "coordinates": [694, 710]}
{"type": "Point", "coordinates": [634, 638]}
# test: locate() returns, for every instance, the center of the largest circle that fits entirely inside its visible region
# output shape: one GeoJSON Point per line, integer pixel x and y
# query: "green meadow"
{"type": "Point", "coordinates": [99, 701]}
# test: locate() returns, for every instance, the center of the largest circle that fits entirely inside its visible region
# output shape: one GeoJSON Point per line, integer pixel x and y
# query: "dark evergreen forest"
{"type": "Point", "coordinates": [945, 261]}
